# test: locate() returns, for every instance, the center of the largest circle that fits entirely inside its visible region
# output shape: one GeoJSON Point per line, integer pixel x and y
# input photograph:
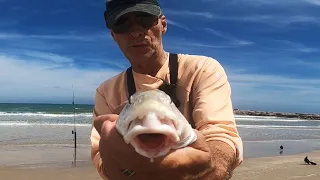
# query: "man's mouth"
{"type": "Point", "coordinates": [142, 44]}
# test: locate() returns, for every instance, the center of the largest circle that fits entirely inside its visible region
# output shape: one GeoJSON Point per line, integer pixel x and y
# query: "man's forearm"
{"type": "Point", "coordinates": [222, 163]}
{"type": "Point", "coordinates": [223, 159]}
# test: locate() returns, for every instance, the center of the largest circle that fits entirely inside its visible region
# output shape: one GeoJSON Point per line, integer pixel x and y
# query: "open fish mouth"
{"type": "Point", "coordinates": [152, 136]}
{"type": "Point", "coordinates": [153, 145]}
{"type": "Point", "coordinates": [151, 141]}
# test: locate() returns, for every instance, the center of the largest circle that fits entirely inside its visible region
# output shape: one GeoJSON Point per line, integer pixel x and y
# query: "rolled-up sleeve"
{"type": "Point", "coordinates": [213, 110]}
{"type": "Point", "coordinates": [100, 107]}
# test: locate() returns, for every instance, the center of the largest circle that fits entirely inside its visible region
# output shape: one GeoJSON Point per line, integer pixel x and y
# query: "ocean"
{"type": "Point", "coordinates": [44, 114]}
{"type": "Point", "coordinates": [30, 125]}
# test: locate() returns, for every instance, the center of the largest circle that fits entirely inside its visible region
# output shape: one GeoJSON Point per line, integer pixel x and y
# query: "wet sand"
{"type": "Point", "coordinates": [263, 168]}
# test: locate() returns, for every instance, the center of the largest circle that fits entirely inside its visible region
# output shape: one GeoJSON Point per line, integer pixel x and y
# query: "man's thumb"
{"type": "Point", "coordinates": [99, 120]}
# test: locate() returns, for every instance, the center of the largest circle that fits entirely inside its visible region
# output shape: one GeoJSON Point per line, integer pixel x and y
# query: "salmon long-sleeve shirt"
{"type": "Point", "coordinates": [203, 91]}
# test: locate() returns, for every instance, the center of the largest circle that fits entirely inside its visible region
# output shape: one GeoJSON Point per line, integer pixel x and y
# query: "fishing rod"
{"type": "Point", "coordinates": [74, 131]}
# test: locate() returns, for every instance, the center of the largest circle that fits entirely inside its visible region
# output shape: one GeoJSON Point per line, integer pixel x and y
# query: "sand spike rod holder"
{"type": "Point", "coordinates": [74, 132]}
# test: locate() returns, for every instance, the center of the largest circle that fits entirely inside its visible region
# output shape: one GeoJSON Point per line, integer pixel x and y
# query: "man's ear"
{"type": "Point", "coordinates": [164, 24]}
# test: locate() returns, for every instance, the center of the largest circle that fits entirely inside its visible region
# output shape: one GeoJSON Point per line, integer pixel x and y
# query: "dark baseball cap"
{"type": "Point", "coordinates": [118, 8]}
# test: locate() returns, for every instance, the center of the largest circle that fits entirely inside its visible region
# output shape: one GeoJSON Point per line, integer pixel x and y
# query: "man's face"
{"type": "Point", "coordinates": [139, 35]}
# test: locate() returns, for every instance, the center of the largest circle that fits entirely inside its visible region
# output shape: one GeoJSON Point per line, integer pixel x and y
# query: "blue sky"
{"type": "Point", "coordinates": [270, 49]}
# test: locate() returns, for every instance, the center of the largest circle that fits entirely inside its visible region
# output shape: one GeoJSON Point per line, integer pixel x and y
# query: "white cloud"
{"type": "Point", "coordinates": [303, 63]}
{"type": "Point", "coordinates": [274, 92]}
{"type": "Point", "coordinates": [32, 81]}
{"type": "Point", "coordinates": [177, 25]}
{"type": "Point", "coordinates": [188, 45]}
{"type": "Point", "coordinates": [293, 46]}
{"type": "Point", "coordinates": [275, 20]}
{"type": "Point", "coordinates": [315, 2]}
{"type": "Point", "coordinates": [279, 81]}
{"type": "Point", "coordinates": [70, 36]}
{"type": "Point", "coordinates": [288, 12]}
{"type": "Point", "coordinates": [185, 13]}
{"type": "Point", "coordinates": [54, 58]}
{"type": "Point", "coordinates": [265, 2]}
{"type": "Point", "coordinates": [202, 45]}
{"type": "Point", "coordinates": [270, 2]}
{"type": "Point", "coordinates": [228, 37]}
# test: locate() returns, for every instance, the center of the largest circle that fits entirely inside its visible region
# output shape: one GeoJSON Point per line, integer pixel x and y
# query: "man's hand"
{"type": "Point", "coordinates": [202, 160]}
{"type": "Point", "coordinates": [116, 155]}
{"type": "Point", "coordinates": [190, 163]}
{"type": "Point", "coordinates": [194, 162]}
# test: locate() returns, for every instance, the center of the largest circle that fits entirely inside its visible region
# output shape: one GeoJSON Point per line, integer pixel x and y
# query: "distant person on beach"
{"type": "Point", "coordinates": [202, 94]}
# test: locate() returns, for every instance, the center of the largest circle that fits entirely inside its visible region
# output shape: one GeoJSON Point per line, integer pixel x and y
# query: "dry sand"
{"type": "Point", "coordinates": [280, 168]}
{"type": "Point", "coordinates": [266, 168]}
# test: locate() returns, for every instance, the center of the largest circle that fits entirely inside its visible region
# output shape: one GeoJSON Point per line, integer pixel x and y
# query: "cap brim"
{"type": "Point", "coordinates": [147, 8]}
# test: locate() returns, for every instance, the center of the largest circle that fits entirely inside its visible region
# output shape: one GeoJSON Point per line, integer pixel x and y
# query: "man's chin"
{"type": "Point", "coordinates": [145, 53]}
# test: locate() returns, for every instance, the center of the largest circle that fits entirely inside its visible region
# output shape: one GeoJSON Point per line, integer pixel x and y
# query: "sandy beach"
{"type": "Point", "coordinates": [263, 168]}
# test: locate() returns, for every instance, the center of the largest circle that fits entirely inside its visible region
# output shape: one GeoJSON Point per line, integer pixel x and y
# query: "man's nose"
{"type": "Point", "coordinates": [136, 30]}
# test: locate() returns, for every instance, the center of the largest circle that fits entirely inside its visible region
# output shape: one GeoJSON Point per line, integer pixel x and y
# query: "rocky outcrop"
{"type": "Point", "coordinates": [277, 114]}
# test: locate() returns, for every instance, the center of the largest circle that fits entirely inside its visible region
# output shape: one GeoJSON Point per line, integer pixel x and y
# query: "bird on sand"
{"type": "Point", "coordinates": [306, 160]}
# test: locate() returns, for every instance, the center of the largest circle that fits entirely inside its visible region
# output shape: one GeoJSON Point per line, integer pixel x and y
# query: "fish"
{"type": "Point", "coordinates": [153, 125]}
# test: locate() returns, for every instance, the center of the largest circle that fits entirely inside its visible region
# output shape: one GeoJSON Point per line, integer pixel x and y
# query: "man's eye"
{"type": "Point", "coordinates": [121, 21]}
{"type": "Point", "coordinates": [147, 19]}
{"type": "Point", "coordinates": [141, 18]}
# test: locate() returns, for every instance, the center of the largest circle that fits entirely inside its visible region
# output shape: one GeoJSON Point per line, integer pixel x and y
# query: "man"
{"type": "Point", "coordinates": [202, 89]}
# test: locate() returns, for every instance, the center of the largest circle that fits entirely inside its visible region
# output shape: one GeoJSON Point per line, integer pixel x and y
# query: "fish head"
{"type": "Point", "coordinates": [151, 123]}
